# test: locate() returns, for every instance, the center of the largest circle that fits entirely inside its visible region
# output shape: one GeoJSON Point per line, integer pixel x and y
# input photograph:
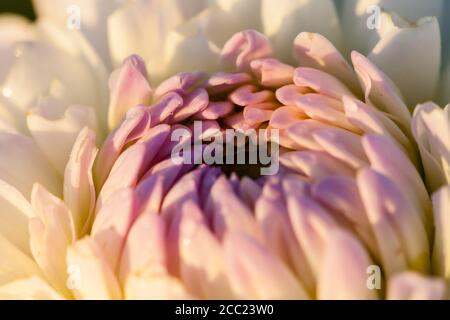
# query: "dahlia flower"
{"type": "Point", "coordinates": [357, 207]}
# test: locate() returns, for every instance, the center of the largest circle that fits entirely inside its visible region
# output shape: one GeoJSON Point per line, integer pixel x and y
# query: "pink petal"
{"type": "Point", "coordinates": [272, 215]}
{"type": "Point", "coordinates": [323, 108]}
{"type": "Point", "coordinates": [272, 73]}
{"type": "Point", "coordinates": [164, 110]}
{"type": "Point", "coordinates": [371, 120]}
{"type": "Point", "coordinates": [133, 126]}
{"type": "Point", "coordinates": [386, 158]}
{"type": "Point", "coordinates": [343, 274]}
{"type": "Point", "coordinates": [134, 162]}
{"type": "Point", "coordinates": [153, 187]}
{"type": "Point", "coordinates": [315, 51]}
{"type": "Point", "coordinates": [271, 279]}
{"type": "Point", "coordinates": [145, 247]}
{"type": "Point", "coordinates": [228, 212]}
{"type": "Point", "coordinates": [215, 110]}
{"type": "Point", "coordinates": [129, 88]}
{"type": "Point", "coordinates": [249, 94]}
{"type": "Point", "coordinates": [243, 47]}
{"type": "Point", "coordinates": [223, 82]}
{"type": "Point", "coordinates": [315, 164]}
{"type": "Point", "coordinates": [321, 82]}
{"type": "Point", "coordinates": [283, 117]}
{"type": "Point", "coordinates": [310, 221]}
{"type": "Point", "coordinates": [301, 133]}
{"type": "Point", "coordinates": [112, 223]}
{"type": "Point", "coordinates": [343, 145]}
{"type": "Point", "coordinates": [194, 102]}
{"type": "Point", "coordinates": [289, 94]}
{"type": "Point", "coordinates": [415, 286]}
{"type": "Point", "coordinates": [180, 83]}
{"type": "Point", "coordinates": [400, 234]}
{"type": "Point", "coordinates": [201, 257]}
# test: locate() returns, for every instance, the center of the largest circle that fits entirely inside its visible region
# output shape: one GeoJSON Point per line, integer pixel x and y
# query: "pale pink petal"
{"type": "Point", "coordinates": [341, 195]}
{"type": "Point", "coordinates": [272, 215]}
{"type": "Point", "coordinates": [272, 73]}
{"type": "Point", "coordinates": [222, 82]}
{"type": "Point", "coordinates": [145, 247]}
{"type": "Point", "coordinates": [133, 126]}
{"type": "Point", "coordinates": [112, 223]}
{"type": "Point", "coordinates": [155, 184]}
{"type": "Point", "coordinates": [399, 232]}
{"type": "Point", "coordinates": [302, 133]}
{"type": "Point", "coordinates": [249, 94]}
{"type": "Point", "coordinates": [343, 145]}
{"type": "Point", "coordinates": [194, 102]}
{"type": "Point", "coordinates": [315, 164]}
{"type": "Point", "coordinates": [228, 212]}
{"type": "Point", "coordinates": [289, 94]}
{"type": "Point", "coordinates": [343, 274]}
{"type": "Point", "coordinates": [371, 120]}
{"type": "Point", "coordinates": [202, 264]}
{"type": "Point", "coordinates": [215, 110]}
{"type": "Point", "coordinates": [415, 286]}
{"type": "Point", "coordinates": [323, 108]}
{"type": "Point", "coordinates": [164, 110]}
{"type": "Point", "coordinates": [242, 48]}
{"type": "Point", "coordinates": [271, 279]}
{"type": "Point", "coordinates": [313, 50]}
{"type": "Point", "coordinates": [129, 87]}
{"type": "Point", "coordinates": [134, 162]}
{"type": "Point", "coordinates": [321, 82]}
{"type": "Point", "coordinates": [285, 116]}
{"type": "Point", "coordinates": [310, 221]}
{"type": "Point", "coordinates": [385, 157]}
{"type": "Point", "coordinates": [180, 83]}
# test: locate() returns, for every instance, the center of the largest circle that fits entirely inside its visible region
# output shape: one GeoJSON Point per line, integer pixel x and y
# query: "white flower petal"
{"type": "Point", "coordinates": [51, 232]}
{"type": "Point", "coordinates": [55, 132]}
{"type": "Point", "coordinates": [22, 164]}
{"type": "Point", "coordinates": [431, 129]}
{"type": "Point", "coordinates": [91, 14]}
{"type": "Point", "coordinates": [188, 52]}
{"type": "Point", "coordinates": [410, 56]}
{"type": "Point", "coordinates": [32, 288]}
{"type": "Point", "coordinates": [14, 28]}
{"type": "Point", "coordinates": [96, 280]}
{"type": "Point", "coordinates": [358, 14]}
{"type": "Point", "coordinates": [14, 214]}
{"type": "Point", "coordinates": [283, 20]}
{"type": "Point", "coordinates": [142, 27]}
{"type": "Point", "coordinates": [14, 264]}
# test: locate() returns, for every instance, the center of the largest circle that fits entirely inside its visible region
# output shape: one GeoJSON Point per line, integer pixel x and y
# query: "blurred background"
{"type": "Point", "coordinates": [23, 7]}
